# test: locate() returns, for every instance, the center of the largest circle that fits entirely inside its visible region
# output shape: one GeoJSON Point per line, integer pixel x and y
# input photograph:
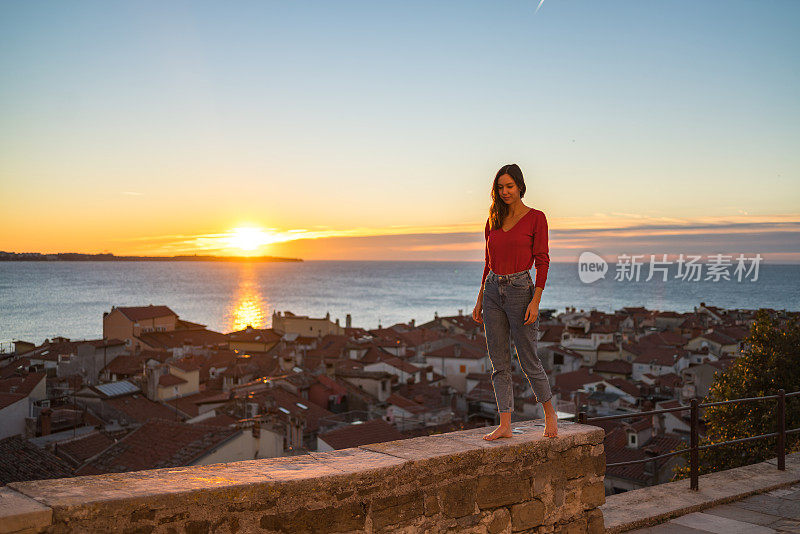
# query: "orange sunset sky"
{"type": "Point", "coordinates": [373, 132]}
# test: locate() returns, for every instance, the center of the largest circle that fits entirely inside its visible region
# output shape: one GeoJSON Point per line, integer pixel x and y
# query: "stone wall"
{"type": "Point", "coordinates": [454, 482]}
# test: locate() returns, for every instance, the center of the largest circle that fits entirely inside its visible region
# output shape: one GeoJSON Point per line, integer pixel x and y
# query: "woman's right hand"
{"type": "Point", "coordinates": [477, 313]}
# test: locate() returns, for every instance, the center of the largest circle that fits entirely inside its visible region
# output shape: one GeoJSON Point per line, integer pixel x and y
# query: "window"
{"type": "Point", "coordinates": [558, 359]}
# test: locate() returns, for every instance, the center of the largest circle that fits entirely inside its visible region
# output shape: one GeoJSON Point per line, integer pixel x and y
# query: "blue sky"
{"type": "Point", "coordinates": [164, 126]}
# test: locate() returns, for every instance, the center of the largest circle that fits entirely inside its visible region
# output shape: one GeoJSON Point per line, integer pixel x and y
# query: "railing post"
{"type": "Point", "coordinates": [655, 472]}
{"type": "Point", "coordinates": [693, 461]}
{"type": "Point", "coordinates": [781, 429]}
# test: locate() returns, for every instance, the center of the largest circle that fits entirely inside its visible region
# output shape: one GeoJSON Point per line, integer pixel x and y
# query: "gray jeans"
{"type": "Point", "coordinates": [505, 300]}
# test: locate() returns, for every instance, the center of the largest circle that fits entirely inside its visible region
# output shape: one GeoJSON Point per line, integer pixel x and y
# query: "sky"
{"type": "Point", "coordinates": [373, 130]}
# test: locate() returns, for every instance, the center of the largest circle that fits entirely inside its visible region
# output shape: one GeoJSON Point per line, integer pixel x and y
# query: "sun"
{"type": "Point", "coordinates": [248, 238]}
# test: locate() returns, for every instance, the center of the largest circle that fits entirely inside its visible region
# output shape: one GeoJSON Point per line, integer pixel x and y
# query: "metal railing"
{"type": "Point", "coordinates": [694, 446]}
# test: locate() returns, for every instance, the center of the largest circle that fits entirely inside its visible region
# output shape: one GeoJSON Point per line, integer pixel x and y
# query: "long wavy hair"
{"type": "Point", "coordinates": [499, 209]}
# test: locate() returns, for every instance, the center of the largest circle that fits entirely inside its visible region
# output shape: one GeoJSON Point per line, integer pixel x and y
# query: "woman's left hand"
{"type": "Point", "coordinates": [532, 312]}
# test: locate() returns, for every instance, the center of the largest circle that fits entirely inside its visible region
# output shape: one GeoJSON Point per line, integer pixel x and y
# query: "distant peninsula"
{"type": "Point", "coordinates": [75, 256]}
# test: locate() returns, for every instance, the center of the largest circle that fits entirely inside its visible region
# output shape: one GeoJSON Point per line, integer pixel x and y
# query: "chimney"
{"type": "Point", "coordinates": [45, 419]}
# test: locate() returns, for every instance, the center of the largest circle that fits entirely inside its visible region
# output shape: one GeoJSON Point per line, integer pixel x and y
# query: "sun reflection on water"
{"type": "Point", "coordinates": [247, 306]}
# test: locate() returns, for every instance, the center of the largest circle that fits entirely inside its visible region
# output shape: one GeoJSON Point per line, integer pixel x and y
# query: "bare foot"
{"type": "Point", "coordinates": [498, 432]}
{"type": "Point", "coordinates": [550, 425]}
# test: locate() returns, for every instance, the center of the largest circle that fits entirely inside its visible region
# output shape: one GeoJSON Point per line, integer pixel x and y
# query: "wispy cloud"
{"type": "Point", "coordinates": [776, 238]}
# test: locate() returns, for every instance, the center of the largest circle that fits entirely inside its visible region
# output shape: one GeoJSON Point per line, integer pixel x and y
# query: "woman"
{"type": "Point", "coordinates": [508, 303]}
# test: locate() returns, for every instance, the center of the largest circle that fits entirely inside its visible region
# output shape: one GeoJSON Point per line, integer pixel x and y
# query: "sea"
{"type": "Point", "coordinates": [43, 299]}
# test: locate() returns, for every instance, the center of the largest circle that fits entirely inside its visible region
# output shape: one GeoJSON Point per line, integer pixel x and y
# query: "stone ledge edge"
{"type": "Point", "coordinates": [793, 473]}
{"type": "Point", "coordinates": [31, 515]}
{"type": "Point", "coordinates": [21, 514]}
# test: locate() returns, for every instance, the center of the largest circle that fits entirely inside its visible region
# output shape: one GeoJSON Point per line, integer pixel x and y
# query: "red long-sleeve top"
{"type": "Point", "coordinates": [524, 245]}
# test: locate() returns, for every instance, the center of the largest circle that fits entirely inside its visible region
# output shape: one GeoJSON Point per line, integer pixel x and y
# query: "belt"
{"type": "Point", "coordinates": [504, 278]}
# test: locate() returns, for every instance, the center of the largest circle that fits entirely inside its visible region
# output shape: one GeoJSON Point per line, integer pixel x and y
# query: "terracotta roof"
{"type": "Point", "coordinates": [332, 385]}
{"type": "Point", "coordinates": [21, 460]}
{"type": "Point", "coordinates": [283, 399]}
{"type": "Point", "coordinates": [7, 399]}
{"type": "Point", "coordinates": [255, 335]}
{"type": "Point", "coordinates": [671, 380]}
{"type": "Point", "coordinates": [573, 380]}
{"type": "Point", "coordinates": [159, 443]}
{"type": "Point", "coordinates": [188, 363]}
{"type": "Point", "coordinates": [484, 391]}
{"type": "Point", "coordinates": [20, 365]}
{"type": "Point", "coordinates": [170, 380]}
{"type": "Point", "coordinates": [50, 351]}
{"type": "Point", "coordinates": [353, 435]}
{"type": "Point", "coordinates": [180, 338]}
{"type": "Point", "coordinates": [138, 313]}
{"type": "Point", "coordinates": [188, 325]}
{"type": "Point", "coordinates": [126, 365]}
{"type": "Point", "coordinates": [458, 351]}
{"type": "Point", "coordinates": [719, 338]}
{"type": "Point", "coordinates": [22, 385]}
{"type": "Point", "coordinates": [190, 405]}
{"type": "Point", "coordinates": [663, 356]}
{"type": "Point", "coordinates": [663, 339]}
{"type": "Point", "coordinates": [601, 329]}
{"type": "Point", "coordinates": [617, 450]}
{"type": "Point", "coordinates": [613, 366]}
{"type": "Point", "coordinates": [419, 336]}
{"type": "Point", "coordinates": [77, 451]}
{"type": "Point", "coordinates": [401, 364]}
{"type": "Point", "coordinates": [311, 412]}
{"type": "Point", "coordinates": [135, 408]}
{"type": "Point", "coordinates": [551, 333]}
{"type": "Point", "coordinates": [241, 369]}
{"type": "Point", "coordinates": [157, 355]}
{"type": "Point", "coordinates": [625, 385]}
{"type": "Point", "coordinates": [374, 354]}
{"type": "Point", "coordinates": [561, 349]}
{"type": "Point", "coordinates": [223, 420]}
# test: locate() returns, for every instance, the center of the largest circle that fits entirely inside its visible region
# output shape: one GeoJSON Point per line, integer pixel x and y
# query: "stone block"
{"type": "Point", "coordinates": [576, 526]}
{"type": "Point", "coordinates": [502, 490]}
{"type": "Point", "coordinates": [458, 498]}
{"type": "Point", "coordinates": [19, 513]}
{"type": "Point", "coordinates": [431, 503]}
{"type": "Point", "coordinates": [340, 518]}
{"type": "Point", "coordinates": [595, 523]}
{"type": "Point", "coordinates": [527, 515]}
{"type": "Point", "coordinates": [593, 494]}
{"type": "Point", "coordinates": [396, 509]}
{"type": "Point", "coordinates": [499, 520]}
